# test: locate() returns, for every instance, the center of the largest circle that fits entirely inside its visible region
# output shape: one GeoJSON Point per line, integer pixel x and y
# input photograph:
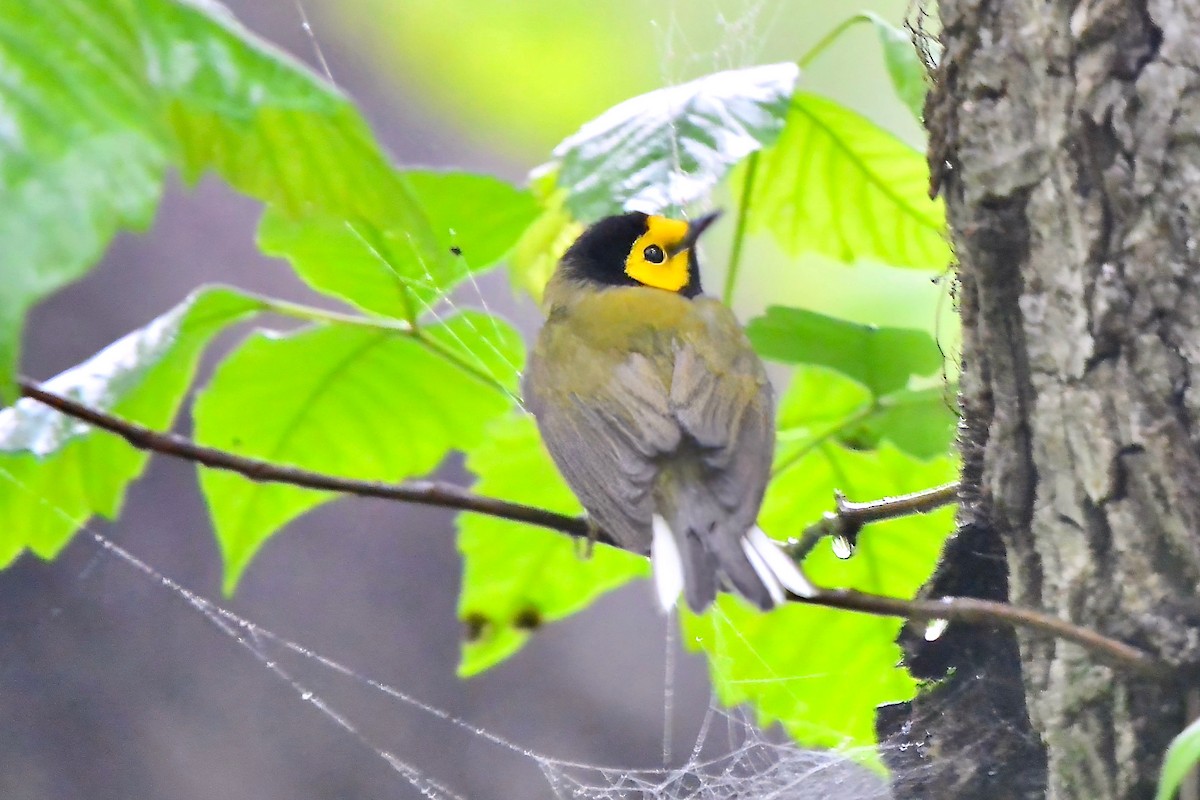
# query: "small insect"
{"type": "Point", "coordinates": [456, 250]}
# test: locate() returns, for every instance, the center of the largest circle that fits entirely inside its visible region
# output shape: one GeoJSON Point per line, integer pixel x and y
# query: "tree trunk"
{"type": "Point", "coordinates": [969, 736]}
{"type": "Point", "coordinates": [1065, 139]}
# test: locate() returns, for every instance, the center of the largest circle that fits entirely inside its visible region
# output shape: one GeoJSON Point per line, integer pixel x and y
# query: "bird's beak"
{"type": "Point", "coordinates": [695, 228]}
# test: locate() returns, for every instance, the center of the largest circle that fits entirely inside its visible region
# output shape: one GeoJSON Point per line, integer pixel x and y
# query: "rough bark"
{"type": "Point", "coordinates": [1065, 139]}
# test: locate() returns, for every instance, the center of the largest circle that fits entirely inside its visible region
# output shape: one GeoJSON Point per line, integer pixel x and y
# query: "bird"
{"type": "Point", "coordinates": [657, 411]}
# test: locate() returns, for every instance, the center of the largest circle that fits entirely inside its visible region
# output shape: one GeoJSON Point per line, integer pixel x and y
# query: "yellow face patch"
{"type": "Point", "coordinates": [649, 262]}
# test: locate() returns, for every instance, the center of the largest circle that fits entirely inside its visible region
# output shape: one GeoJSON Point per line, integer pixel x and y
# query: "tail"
{"type": "Point", "coordinates": [668, 564]}
{"type": "Point", "coordinates": [754, 566]}
{"type": "Point", "coordinates": [775, 567]}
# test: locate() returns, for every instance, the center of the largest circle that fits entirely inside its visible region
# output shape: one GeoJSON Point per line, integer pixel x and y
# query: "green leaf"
{"type": "Point", "coordinates": [821, 406]}
{"type": "Point", "coordinates": [368, 403]}
{"type": "Point", "coordinates": [517, 576]}
{"type": "Point", "coordinates": [881, 359]}
{"type": "Point", "coordinates": [835, 183]}
{"type": "Point", "coordinates": [56, 472]}
{"type": "Point", "coordinates": [662, 150]}
{"type": "Point", "coordinates": [822, 672]}
{"type": "Point", "coordinates": [482, 345]}
{"type": "Point", "coordinates": [78, 159]}
{"type": "Point", "coordinates": [279, 133]}
{"type": "Point", "coordinates": [481, 216]}
{"type": "Point", "coordinates": [370, 258]}
{"type": "Point", "coordinates": [817, 406]}
{"type": "Point", "coordinates": [1181, 758]}
{"type": "Point", "coordinates": [921, 422]}
{"type": "Point", "coordinates": [536, 254]}
{"type": "Point", "coordinates": [100, 97]}
{"type": "Point", "coordinates": [904, 65]}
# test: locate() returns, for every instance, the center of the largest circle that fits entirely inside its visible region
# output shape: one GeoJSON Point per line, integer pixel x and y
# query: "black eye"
{"type": "Point", "coordinates": [653, 254]}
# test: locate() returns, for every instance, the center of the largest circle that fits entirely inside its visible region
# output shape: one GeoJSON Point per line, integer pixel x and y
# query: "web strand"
{"type": "Point", "coordinates": [669, 686]}
{"type": "Point", "coordinates": [430, 283]}
{"type": "Point", "coordinates": [748, 758]}
{"type": "Point", "coordinates": [748, 764]}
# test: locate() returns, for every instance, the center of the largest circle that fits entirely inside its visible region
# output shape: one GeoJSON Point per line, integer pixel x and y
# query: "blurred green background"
{"type": "Point", "coordinates": [517, 77]}
{"type": "Point", "coordinates": [113, 688]}
{"type": "Point", "coordinates": [512, 79]}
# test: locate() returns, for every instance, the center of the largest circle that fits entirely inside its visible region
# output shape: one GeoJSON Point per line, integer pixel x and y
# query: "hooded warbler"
{"type": "Point", "coordinates": [657, 411]}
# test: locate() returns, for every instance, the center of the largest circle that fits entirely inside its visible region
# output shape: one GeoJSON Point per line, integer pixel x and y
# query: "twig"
{"type": "Point", "coordinates": [972, 610]}
{"type": "Point", "coordinates": [849, 518]}
{"type": "Point", "coordinates": [739, 232]}
{"type": "Point", "coordinates": [855, 515]}
{"type": "Point", "coordinates": [430, 493]}
{"type": "Point", "coordinates": [828, 39]}
{"type": "Point", "coordinates": [399, 327]}
{"type": "Point", "coordinates": [958, 609]}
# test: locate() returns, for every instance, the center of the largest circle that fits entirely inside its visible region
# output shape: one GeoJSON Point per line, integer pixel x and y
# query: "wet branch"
{"type": "Point", "coordinates": [848, 518]}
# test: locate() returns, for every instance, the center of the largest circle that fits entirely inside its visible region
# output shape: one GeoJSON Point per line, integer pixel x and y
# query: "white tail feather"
{"type": "Point", "coordinates": [668, 564]}
{"type": "Point", "coordinates": [764, 572]}
{"type": "Point", "coordinates": [782, 568]}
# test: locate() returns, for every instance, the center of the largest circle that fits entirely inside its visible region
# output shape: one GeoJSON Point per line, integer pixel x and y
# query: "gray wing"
{"type": "Point", "coordinates": [730, 416]}
{"type": "Point", "coordinates": [607, 441]}
{"type": "Point", "coordinates": [723, 402]}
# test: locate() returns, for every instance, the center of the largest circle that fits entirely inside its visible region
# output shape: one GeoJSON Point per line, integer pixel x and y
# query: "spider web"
{"type": "Point", "coordinates": [727, 755]}
{"type": "Point", "coordinates": [730, 756]}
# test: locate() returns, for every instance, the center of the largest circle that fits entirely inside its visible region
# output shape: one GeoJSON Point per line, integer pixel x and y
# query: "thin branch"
{"type": "Point", "coordinates": [398, 327]}
{"type": "Point", "coordinates": [829, 38]}
{"type": "Point", "coordinates": [739, 232]}
{"type": "Point", "coordinates": [856, 515]}
{"type": "Point", "coordinates": [972, 610]}
{"type": "Point", "coordinates": [849, 518]}
{"type": "Point", "coordinates": [325, 317]}
{"type": "Point", "coordinates": [430, 493]}
{"type": "Point", "coordinates": [433, 493]}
